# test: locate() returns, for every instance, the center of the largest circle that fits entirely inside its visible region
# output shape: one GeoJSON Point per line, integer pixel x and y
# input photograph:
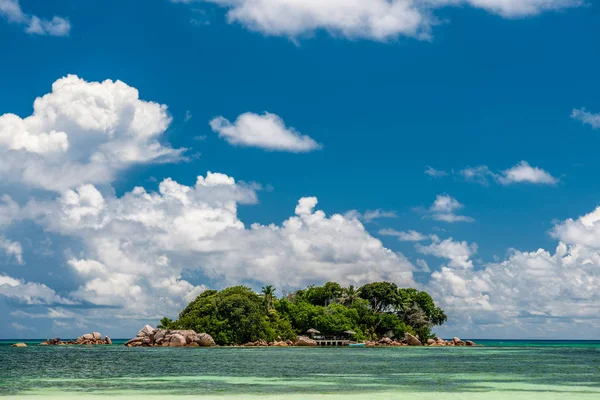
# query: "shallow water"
{"type": "Point", "coordinates": [567, 370]}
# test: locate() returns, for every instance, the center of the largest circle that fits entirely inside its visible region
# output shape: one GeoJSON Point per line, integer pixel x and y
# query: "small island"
{"type": "Point", "coordinates": [376, 314]}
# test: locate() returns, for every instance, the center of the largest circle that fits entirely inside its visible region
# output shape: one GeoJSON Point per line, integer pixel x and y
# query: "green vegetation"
{"type": "Point", "coordinates": [238, 315]}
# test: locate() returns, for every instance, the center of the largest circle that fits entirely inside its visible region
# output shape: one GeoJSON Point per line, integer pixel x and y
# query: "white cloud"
{"type": "Point", "coordinates": [82, 132]}
{"type": "Point", "coordinates": [444, 209]}
{"type": "Point", "coordinates": [139, 245]}
{"type": "Point", "coordinates": [267, 131]}
{"type": "Point", "coordinates": [371, 215]}
{"type": "Point", "coordinates": [29, 293]}
{"type": "Point", "coordinates": [57, 26]}
{"type": "Point", "coordinates": [525, 173]}
{"type": "Point", "coordinates": [458, 253]}
{"type": "Point", "coordinates": [409, 236]}
{"type": "Point", "coordinates": [374, 19]}
{"type": "Point", "coordinates": [532, 294]}
{"type": "Point", "coordinates": [435, 173]}
{"type": "Point", "coordinates": [522, 172]}
{"type": "Point", "coordinates": [11, 248]}
{"type": "Point", "coordinates": [586, 117]}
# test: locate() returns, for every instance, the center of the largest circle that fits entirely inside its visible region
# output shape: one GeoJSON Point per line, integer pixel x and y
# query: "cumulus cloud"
{"type": "Point", "coordinates": [29, 293]}
{"type": "Point", "coordinates": [525, 173]}
{"type": "Point", "coordinates": [375, 19]}
{"type": "Point", "coordinates": [409, 236]}
{"type": "Point", "coordinates": [522, 172]}
{"type": "Point", "coordinates": [529, 289]}
{"type": "Point", "coordinates": [458, 253]}
{"type": "Point", "coordinates": [82, 132]}
{"type": "Point", "coordinates": [445, 208]}
{"type": "Point", "coordinates": [523, 293]}
{"type": "Point", "coordinates": [139, 245]}
{"type": "Point", "coordinates": [267, 131]}
{"type": "Point", "coordinates": [586, 117]}
{"type": "Point", "coordinates": [12, 249]}
{"type": "Point", "coordinates": [12, 12]}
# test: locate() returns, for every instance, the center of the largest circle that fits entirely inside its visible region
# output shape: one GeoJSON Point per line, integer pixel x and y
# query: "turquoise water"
{"type": "Point", "coordinates": [500, 370]}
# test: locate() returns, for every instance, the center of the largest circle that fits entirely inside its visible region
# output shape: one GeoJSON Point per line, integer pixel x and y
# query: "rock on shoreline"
{"type": "Point", "coordinates": [150, 337]}
{"type": "Point", "coordinates": [89, 339]}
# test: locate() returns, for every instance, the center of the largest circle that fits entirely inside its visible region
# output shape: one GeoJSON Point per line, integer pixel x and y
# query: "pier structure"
{"type": "Point", "coordinates": [332, 342]}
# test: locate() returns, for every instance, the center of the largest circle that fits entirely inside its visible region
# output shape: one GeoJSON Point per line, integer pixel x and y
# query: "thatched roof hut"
{"type": "Point", "coordinates": [312, 331]}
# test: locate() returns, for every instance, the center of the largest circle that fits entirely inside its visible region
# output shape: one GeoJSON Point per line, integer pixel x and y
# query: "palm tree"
{"type": "Point", "coordinates": [350, 295]}
{"type": "Point", "coordinates": [269, 294]}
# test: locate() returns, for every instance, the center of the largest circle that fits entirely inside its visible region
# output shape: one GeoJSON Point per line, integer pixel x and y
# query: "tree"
{"type": "Point", "coordinates": [383, 296]}
{"type": "Point", "coordinates": [238, 315]}
{"type": "Point", "coordinates": [324, 295]}
{"type": "Point", "coordinates": [269, 293]}
{"type": "Point", "coordinates": [349, 295]}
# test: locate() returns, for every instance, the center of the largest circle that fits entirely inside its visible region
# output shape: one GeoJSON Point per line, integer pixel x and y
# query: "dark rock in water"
{"type": "Point", "coordinates": [470, 343]}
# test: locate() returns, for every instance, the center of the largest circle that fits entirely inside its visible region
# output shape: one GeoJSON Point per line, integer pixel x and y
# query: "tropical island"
{"type": "Point", "coordinates": [378, 312]}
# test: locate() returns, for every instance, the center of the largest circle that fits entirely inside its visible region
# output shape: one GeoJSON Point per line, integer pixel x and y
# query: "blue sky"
{"type": "Point", "coordinates": [357, 113]}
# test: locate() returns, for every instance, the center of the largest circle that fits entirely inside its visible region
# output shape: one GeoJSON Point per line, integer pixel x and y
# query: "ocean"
{"type": "Point", "coordinates": [499, 370]}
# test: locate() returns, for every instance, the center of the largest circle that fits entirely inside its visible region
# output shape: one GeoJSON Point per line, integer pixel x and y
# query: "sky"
{"type": "Point", "coordinates": [152, 149]}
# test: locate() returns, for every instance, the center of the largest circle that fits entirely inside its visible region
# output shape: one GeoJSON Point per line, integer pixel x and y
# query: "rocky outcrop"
{"type": "Point", "coordinates": [386, 341]}
{"type": "Point", "coordinates": [411, 340]}
{"type": "Point", "coordinates": [19, 345]}
{"type": "Point", "coordinates": [88, 339]}
{"type": "Point", "coordinates": [150, 337]}
{"type": "Point", "coordinates": [305, 341]}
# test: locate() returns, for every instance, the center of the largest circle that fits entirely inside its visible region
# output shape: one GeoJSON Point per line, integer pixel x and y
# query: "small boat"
{"type": "Point", "coordinates": [356, 345]}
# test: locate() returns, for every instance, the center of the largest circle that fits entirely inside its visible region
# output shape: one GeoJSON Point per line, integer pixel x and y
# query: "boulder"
{"type": "Point", "coordinates": [134, 341]}
{"type": "Point", "coordinates": [386, 341]}
{"type": "Point", "coordinates": [87, 336]}
{"type": "Point", "coordinates": [458, 342]}
{"type": "Point", "coordinates": [431, 342]}
{"type": "Point", "coordinates": [159, 336]}
{"type": "Point", "coordinates": [96, 336]}
{"type": "Point", "coordinates": [411, 340]}
{"type": "Point", "coordinates": [470, 343]}
{"type": "Point", "coordinates": [19, 345]}
{"type": "Point", "coordinates": [194, 344]}
{"type": "Point", "coordinates": [107, 340]}
{"type": "Point", "coordinates": [304, 341]}
{"type": "Point", "coordinates": [177, 340]}
{"type": "Point", "coordinates": [204, 340]}
{"type": "Point", "coordinates": [146, 331]}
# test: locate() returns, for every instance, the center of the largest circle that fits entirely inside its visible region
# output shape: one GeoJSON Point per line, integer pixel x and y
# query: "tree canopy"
{"type": "Point", "coordinates": [238, 315]}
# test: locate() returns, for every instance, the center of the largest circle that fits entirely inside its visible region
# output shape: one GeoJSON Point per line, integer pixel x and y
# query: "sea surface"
{"type": "Point", "coordinates": [499, 370]}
